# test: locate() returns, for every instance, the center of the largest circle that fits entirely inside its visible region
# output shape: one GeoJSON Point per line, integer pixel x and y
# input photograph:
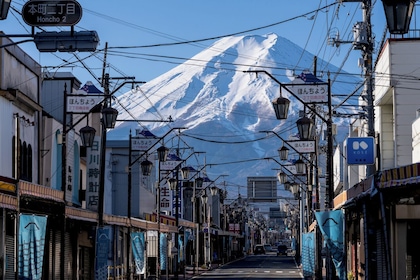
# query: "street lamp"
{"type": "Point", "coordinates": [146, 167]}
{"type": "Point", "coordinates": [283, 152]}
{"type": "Point", "coordinates": [398, 15]}
{"type": "Point", "coordinates": [87, 135]}
{"type": "Point", "coordinates": [208, 212]}
{"type": "Point", "coordinates": [300, 166]}
{"type": "Point", "coordinates": [281, 107]}
{"type": "Point", "coordinates": [282, 177]}
{"type": "Point", "coordinates": [305, 128]}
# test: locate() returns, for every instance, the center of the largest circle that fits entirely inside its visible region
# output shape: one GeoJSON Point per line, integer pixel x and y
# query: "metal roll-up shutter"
{"type": "Point", "coordinates": [54, 253]}
{"type": "Point", "coordinates": [10, 258]}
{"type": "Point", "coordinates": [380, 256]}
{"type": "Point", "coordinates": [68, 257]}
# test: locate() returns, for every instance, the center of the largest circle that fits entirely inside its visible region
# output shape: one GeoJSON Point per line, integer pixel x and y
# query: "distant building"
{"type": "Point", "coordinates": [262, 189]}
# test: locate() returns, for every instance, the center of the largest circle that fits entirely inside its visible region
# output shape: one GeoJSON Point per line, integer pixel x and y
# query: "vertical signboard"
{"type": "Point", "coordinates": [93, 174]}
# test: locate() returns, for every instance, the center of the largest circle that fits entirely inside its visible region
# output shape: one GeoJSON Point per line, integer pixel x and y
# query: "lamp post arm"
{"type": "Point", "coordinates": [288, 171]}
{"type": "Point", "coordinates": [284, 141]}
{"type": "Point", "coordinates": [291, 92]}
{"type": "Point", "coordinates": [131, 163]}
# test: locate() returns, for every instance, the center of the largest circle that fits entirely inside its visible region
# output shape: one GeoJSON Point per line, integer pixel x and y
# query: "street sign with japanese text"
{"type": "Point", "coordinates": [143, 143]}
{"type": "Point", "coordinates": [310, 93]}
{"type": "Point", "coordinates": [169, 164]}
{"type": "Point", "coordinates": [82, 103]}
{"type": "Point", "coordinates": [303, 147]}
{"type": "Point", "coordinates": [52, 12]}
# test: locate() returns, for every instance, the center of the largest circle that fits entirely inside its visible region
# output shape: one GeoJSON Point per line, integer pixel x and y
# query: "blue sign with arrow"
{"type": "Point", "coordinates": [360, 150]}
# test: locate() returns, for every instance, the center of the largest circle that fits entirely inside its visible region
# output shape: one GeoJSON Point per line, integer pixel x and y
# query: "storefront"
{"type": "Point", "coordinates": [382, 224]}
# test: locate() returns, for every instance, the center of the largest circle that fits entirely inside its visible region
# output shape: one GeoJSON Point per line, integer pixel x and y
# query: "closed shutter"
{"type": "Point", "coordinates": [54, 254]}
{"type": "Point", "coordinates": [380, 256]}
{"type": "Point", "coordinates": [10, 258]}
{"type": "Point", "coordinates": [68, 260]}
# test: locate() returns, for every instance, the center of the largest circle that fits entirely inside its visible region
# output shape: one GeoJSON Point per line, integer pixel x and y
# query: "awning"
{"type": "Point", "coordinates": [8, 201]}
{"type": "Point", "coordinates": [81, 214]}
{"type": "Point", "coordinates": [405, 175]}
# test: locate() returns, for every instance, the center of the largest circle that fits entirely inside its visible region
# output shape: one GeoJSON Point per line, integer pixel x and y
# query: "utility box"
{"type": "Point", "coordinates": [66, 41]}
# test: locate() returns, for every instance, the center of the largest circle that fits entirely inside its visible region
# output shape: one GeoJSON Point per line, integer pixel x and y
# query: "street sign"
{"type": "Point", "coordinates": [80, 102]}
{"type": "Point", "coordinates": [310, 93]}
{"type": "Point", "coordinates": [143, 143]}
{"type": "Point", "coordinates": [169, 164]}
{"type": "Point", "coordinates": [303, 147]}
{"type": "Point", "coordinates": [52, 12]}
{"type": "Point", "coordinates": [360, 150]}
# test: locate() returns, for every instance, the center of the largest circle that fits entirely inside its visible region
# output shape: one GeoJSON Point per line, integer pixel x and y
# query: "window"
{"type": "Point", "coordinates": [24, 160]}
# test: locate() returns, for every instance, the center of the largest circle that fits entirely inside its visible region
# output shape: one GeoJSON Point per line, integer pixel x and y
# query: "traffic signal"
{"type": "Point", "coordinates": [66, 41]}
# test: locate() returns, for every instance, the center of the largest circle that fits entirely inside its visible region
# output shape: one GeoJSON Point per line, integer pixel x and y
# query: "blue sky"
{"type": "Point", "coordinates": [141, 27]}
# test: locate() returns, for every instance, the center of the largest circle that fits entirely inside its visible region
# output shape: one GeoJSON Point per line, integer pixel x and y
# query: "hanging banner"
{"type": "Point", "coordinates": [331, 225]}
{"type": "Point", "coordinates": [181, 248]}
{"type": "Point", "coordinates": [308, 254]}
{"type": "Point", "coordinates": [163, 250]}
{"type": "Point", "coordinates": [32, 230]}
{"type": "Point", "coordinates": [102, 250]}
{"type": "Point", "coordinates": [138, 246]}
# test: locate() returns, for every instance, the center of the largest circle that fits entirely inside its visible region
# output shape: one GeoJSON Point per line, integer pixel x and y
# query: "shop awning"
{"type": "Point", "coordinates": [405, 175]}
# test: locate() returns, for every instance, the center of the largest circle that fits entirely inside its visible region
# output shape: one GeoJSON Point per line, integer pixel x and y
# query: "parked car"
{"type": "Point", "coordinates": [259, 250]}
{"type": "Point", "coordinates": [282, 250]}
{"type": "Point", "coordinates": [268, 248]}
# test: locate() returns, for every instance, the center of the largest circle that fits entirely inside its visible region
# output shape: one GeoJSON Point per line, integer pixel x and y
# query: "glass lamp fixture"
{"type": "Point", "coordinates": [185, 172]}
{"type": "Point", "coordinates": [162, 152]}
{"type": "Point", "coordinates": [282, 177]}
{"type": "Point", "coordinates": [305, 128]}
{"type": "Point", "coordinates": [398, 15]}
{"type": "Point", "coordinates": [146, 167]}
{"type": "Point", "coordinates": [204, 198]}
{"type": "Point", "coordinates": [173, 183]}
{"type": "Point", "coordinates": [300, 166]}
{"type": "Point", "coordinates": [214, 190]}
{"type": "Point", "coordinates": [109, 117]}
{"type": "Point", "coordinates": [283, 152]}
{"type": "Point", "coordinates": [287, 186]}
{"type": "Point", "coordinates": [199, 182]}
{"type": "Point", "coordinates": [87, 135]}
{"type": "Point", "coordinates": [281, 107]}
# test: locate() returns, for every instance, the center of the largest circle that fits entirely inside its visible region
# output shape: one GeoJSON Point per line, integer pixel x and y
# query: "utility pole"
{"type": "Point", "coordinates": [363, 41]}
{"type": "Point", "coordinates": [368, 74]}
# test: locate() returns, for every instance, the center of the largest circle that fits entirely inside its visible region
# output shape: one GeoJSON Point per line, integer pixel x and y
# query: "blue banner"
{"type": "Point", "coordinates": [32, 230]}
{"type": "Point", "coordinates": [331, 225]}
{"type": "Point", "coordinates": [138, 246]}
{"type": "Point", "coordinates": [102, 251]}
{"type": "Point", "coordinates": [163, 250]}
{"type": "Point", "coordinates": [180, 248]}
{"type": "Point", "coordinates": [308, 254]}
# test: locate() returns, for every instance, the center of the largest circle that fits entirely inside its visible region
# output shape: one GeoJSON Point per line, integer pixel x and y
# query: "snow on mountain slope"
{"type": "Point", "coordinates": [224, 108]}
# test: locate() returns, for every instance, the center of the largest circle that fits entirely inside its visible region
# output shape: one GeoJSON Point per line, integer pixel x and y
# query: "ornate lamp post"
{"type": "Point", "coordinates": [146, 168]}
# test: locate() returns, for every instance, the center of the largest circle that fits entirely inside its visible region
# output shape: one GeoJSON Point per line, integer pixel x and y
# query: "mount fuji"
{"type": "Point", "coordinates": [224, 109]}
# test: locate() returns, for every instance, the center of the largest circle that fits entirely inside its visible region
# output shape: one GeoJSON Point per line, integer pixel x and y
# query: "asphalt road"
{"type": "Point", "coordinates": [256, 267]}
